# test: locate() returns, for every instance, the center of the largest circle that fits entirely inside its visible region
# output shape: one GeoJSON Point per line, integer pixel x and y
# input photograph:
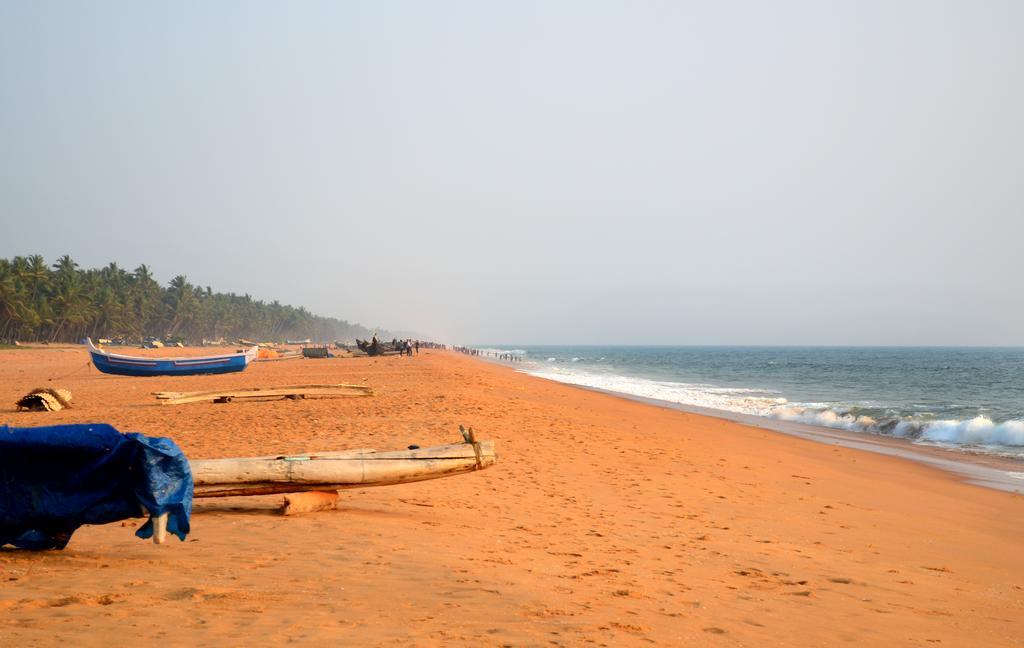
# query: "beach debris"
{"type": "Point", "coordinates": [45, 400]}
{"type": "Point", "coordinates": [334, 471]}
{"type": "Point", "coordinates": [293, 392]}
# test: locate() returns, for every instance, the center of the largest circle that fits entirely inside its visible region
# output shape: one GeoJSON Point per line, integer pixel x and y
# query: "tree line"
{"type": "Point", "coordinates": [65, 303]}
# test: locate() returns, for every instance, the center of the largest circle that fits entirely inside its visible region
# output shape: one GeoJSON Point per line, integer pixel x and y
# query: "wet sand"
{"type": "Point", "coordinates": [992, 471]}
{"type": "Point", "coordinates": [605, 521]}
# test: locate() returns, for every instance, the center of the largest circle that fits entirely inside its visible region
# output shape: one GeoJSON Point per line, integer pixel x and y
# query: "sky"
{"type": "Point", "coordinates": [524, 172]}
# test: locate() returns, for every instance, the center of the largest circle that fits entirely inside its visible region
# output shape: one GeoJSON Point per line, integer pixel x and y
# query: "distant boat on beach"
{"type": "Point", "coordinates": [375, 347]}
{"type": "Point", "coordinates": [124, 365]}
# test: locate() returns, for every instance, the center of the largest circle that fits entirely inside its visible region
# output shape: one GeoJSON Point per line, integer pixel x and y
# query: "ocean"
{"type": "Point", "coordinates": [965, 399]}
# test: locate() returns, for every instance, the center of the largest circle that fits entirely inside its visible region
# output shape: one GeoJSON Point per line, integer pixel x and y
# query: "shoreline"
{"type": "Point", "coordinates": [989, 471]}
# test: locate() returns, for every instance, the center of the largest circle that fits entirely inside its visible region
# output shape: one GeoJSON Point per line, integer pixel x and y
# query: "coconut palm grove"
{"type": "Point", "coordinates": [63, 302]}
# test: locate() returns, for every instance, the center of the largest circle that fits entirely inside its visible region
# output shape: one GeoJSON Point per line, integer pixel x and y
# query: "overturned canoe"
{"type": "Point", "coordinates": [327, 471]}
{"type": "Point", "coordinates": [124, 365]}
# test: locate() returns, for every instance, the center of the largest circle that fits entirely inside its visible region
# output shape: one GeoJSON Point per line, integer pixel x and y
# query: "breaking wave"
{"type": "Point", "coordinates": [979, 431]}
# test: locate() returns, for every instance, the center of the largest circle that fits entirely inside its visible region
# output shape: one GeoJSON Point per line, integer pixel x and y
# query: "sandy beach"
{"type": "Point", "coordinates": [605, 521]}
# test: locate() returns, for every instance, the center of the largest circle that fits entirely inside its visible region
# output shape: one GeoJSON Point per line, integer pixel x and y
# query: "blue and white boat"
{"type": "Point", "coordinates": [124, 365]}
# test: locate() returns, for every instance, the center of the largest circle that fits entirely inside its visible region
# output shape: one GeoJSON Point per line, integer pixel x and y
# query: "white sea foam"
{"type": "Point", "coordinates": [979, 431]}
{"type": "Point", "coordinates": [749, 401]}
{"type": "Point", "coordinates": [824, 417]}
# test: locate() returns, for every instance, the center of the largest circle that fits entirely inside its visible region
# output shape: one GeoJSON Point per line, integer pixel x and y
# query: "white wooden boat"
{"type": "Point", "coordinates": [332, 471]}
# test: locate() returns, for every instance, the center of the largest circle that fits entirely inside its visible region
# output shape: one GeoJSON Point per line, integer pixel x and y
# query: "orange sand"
{"type": "Point", "coordinates": [605, 521]}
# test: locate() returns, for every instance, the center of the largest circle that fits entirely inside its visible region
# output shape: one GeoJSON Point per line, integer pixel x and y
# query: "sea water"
{"type": "Point", "coordinates": [969, 399]}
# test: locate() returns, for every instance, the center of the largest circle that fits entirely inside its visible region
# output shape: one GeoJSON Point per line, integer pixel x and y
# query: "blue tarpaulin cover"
{"type": "Point", "coordinates": [55, 479]}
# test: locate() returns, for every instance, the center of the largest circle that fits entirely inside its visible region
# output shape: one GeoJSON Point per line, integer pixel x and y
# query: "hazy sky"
{"type": "Point", "coordinates": [549, 172]}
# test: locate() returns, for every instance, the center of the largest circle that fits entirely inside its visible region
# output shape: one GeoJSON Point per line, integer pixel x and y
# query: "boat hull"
{"type": "Point", "coordinates": [336, 470]}
{"type": "Point", "coordinates": [122, 365]}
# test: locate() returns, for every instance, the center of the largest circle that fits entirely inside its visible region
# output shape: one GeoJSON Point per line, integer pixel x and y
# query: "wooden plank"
{"type": "Point", "coordinates": [293, 391]}
{"type": "Point", "coordinates": [283, 356]}
{"type": "Point", "coordinates": [173, 394]}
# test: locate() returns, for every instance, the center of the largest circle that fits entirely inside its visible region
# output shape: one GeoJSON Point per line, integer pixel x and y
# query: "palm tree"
{"type": "Point", "coordinates": [145, 302]}
{"type": "Point", "coordinates": [71, 304]}
{"type": "Point", "coordinates": [11, 303]}
{"type": "Point", "coordinates": [38, 274]}
{"type": "Point", "coordinates": [181, 303]}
